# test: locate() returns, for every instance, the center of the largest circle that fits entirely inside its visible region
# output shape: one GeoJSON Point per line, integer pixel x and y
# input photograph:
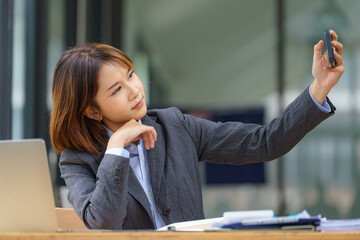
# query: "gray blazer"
{"type": "Point", "coordinates": [106, 194]}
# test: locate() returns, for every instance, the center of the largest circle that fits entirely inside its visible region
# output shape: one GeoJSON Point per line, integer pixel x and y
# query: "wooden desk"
{"type": "Point", "coordinates": [181, 235]}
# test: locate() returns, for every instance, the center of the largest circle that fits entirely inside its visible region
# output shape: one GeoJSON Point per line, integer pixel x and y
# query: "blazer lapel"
{"type": "Point", "coordinates": [156, 156]}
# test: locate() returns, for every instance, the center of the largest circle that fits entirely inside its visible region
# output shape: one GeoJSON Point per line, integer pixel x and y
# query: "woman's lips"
{"type": "Point", "coordinates": [139, 104]}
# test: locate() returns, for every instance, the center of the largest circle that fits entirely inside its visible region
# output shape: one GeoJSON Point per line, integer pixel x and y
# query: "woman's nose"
{"type": "Point", "coordinates": [133, 92]}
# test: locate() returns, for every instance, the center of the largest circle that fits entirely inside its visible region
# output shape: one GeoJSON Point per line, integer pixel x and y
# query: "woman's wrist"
{"type": "Point", "coordinates": [318, 92]}
{"type": "Point", "coordinates": [115, 142]}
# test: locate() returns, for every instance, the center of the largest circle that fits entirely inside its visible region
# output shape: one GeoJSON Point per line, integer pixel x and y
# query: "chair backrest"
{"type": "Point", "coordinates": [67, 219]}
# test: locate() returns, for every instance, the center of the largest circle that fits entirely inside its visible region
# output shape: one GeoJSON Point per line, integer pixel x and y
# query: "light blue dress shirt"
{"type": "Point", "coordinates": [140, 166]}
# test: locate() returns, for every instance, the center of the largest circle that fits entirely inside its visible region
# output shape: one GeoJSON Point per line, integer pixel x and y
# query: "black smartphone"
{"type": "Point", "coordinates": [330, 48]}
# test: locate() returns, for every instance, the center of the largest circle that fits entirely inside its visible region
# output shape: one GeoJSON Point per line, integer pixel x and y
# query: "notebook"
{"type": "Point", "coordinates": [26, 196]}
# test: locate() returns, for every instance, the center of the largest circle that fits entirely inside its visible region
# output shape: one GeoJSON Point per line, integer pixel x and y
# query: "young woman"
{"type": "Point", "coordinates": [130, 168]}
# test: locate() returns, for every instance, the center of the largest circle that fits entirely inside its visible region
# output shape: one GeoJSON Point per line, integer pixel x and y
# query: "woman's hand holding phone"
{"type": "Point", "coordinates": [325, 76]}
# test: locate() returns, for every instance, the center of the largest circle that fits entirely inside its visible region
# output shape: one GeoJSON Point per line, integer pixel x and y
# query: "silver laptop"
{"type": "Point", "coordinates": [26, 197]}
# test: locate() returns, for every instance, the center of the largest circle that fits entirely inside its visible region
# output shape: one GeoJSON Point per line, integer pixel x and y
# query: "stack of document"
{"type": "Point", "coordinates": [350, 225]}
{"type": "Point", "coordinates": [265, 220]}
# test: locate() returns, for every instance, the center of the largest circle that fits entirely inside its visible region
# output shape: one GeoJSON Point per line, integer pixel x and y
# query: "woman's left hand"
{"type": "Point", "coordinates": [326, 77]}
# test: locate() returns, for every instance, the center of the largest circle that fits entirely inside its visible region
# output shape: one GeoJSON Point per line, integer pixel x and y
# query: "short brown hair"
{"type": "Point", "coordinates": [75, 84]}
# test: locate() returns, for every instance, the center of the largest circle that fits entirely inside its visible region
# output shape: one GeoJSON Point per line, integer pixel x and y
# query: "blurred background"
{"type": "Point", "coordinates": [222, 60]}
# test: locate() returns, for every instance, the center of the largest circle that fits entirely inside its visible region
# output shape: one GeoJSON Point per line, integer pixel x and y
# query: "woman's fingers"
{"type": "Point", "coordinates": [338, 47]}
{"type": "Point", "coordinates": [338, 59]}
{"type": "Point", "coordinates": [317, 50]}
{"type": "Point", "coordinates": [149, 137]}
{"type": "Point", "coordinates": [333, 35]}
{"type": "Point", "coordinates": [147, 140]}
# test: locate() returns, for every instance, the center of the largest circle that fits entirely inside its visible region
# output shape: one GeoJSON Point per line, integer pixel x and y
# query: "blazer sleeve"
{"type": "Point", "coordinates": [101, 199]}
{"type": "Point", "coordinates": [239, 143]}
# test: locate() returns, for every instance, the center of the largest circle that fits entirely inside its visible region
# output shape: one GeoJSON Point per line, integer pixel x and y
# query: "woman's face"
{"type": "Point", "coordinates": [120, 96]}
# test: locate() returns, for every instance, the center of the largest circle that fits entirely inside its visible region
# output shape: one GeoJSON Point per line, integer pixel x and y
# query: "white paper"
{"type": "Point", "coordinates": [238, 216]}
{"type": "Point", "coordinates": [197, 225]}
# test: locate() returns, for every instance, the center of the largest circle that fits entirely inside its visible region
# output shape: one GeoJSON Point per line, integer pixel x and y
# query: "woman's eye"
{"type": "Point", "coordinates": [116, 90]}
{"type": "Point", "coordinates": [131, 74]}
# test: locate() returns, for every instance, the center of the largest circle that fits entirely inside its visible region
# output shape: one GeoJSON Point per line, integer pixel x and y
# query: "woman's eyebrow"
{"type": "Point", "coordinates": [116, 83]}
{"type": "Point", "coordinates": [129, 71]}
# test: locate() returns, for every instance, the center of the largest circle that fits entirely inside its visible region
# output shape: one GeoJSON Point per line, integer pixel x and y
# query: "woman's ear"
{"type": "Point", "coordinates": [93, 112]}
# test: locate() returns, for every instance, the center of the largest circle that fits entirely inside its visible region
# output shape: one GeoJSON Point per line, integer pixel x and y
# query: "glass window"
{"type": "Point", "coordinates": [18, 82]}
{"type": "Point", "coordinates": [211, 54]}
{"type": "Point", "coordinates": [321, 172]}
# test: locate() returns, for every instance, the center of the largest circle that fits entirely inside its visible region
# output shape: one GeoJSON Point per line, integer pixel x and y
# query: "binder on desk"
{"type": "Point", "coordinates": [275, 223]}
{"type": "Point", "coordinates": [263, 220]}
